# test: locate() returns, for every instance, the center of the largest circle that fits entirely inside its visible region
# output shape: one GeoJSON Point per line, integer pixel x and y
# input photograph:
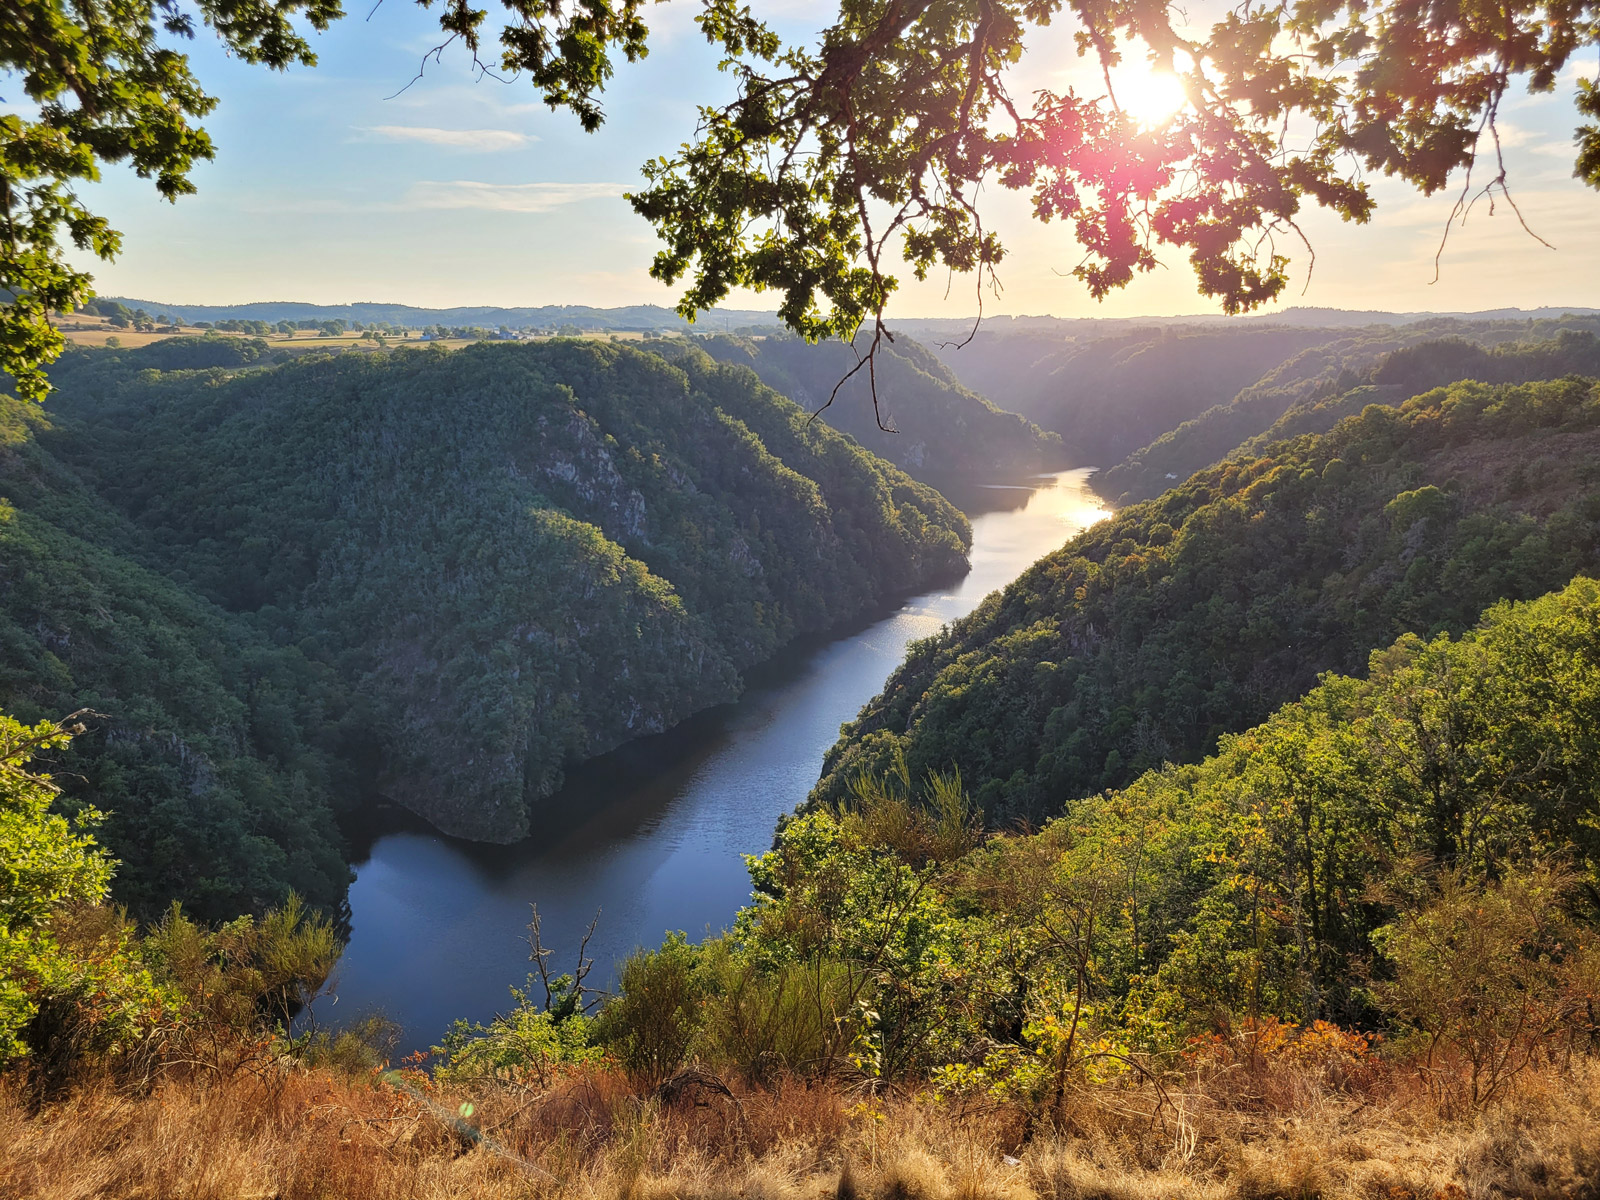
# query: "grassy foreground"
{"type": "Point", "coordinates": [1272, 1129]}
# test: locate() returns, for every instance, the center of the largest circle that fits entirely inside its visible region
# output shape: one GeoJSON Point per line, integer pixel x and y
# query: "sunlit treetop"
{"type": "Point", "coordinates": [867, 150]}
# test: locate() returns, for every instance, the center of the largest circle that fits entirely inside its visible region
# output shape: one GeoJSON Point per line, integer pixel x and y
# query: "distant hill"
{"type": "Point", "coordinates": [634, 317]}
{"type": "Point", "coordinates": [1113, 392]}
{"type": "Point", "coordinates": [946, 333]}
{"type": "Point", "coordinates": [1113, 389]}
{"type": "Point", "coordinates": [641, 317]}
{"type": "Point", "coordinates": [943, 428]}
{"type": "Point", "coordinates": [1357, 317]}
{"type": "Point", "coordinates": [1311, 391]}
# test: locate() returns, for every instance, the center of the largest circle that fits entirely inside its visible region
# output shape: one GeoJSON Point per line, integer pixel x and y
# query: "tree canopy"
{"type": "Point", "coordinates": [878, 138]}
{"type": "Point", "coordinates": [443, 575]}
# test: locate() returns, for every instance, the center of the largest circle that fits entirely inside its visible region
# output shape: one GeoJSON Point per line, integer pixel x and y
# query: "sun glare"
{"type": "Point", "coordinates": [1151, 98]}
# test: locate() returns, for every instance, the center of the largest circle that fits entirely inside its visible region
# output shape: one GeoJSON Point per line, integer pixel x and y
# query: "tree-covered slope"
{"type": "Point", "coordinates": [1319, 373]}
{"type": "Point", "coordinates": [1196, 614]}
{"type": "Point", "coordinates": [516, 557]}
{"type": "Point", "coordinates": [1314, 390]}
{"type": "Point", "coordinates": [943, 429]}
{"type": "Point", "coordinates": [1108, 395]}
{"type": "Point", "coordinates": [1381, 841]}
{"type": "Point", "coordinates": [214, 753]}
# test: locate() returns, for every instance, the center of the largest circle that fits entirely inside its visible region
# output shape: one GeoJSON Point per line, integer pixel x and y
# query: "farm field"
{"type": "Point", "coordinates": [94, 331]}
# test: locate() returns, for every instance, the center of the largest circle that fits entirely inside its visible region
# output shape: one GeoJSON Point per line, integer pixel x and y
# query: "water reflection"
{"type": "Point", "coordinates": [652, 836]}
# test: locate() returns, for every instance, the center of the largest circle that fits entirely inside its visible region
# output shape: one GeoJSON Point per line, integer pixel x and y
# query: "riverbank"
{"type": "Point", "coordinates": [652, 838]}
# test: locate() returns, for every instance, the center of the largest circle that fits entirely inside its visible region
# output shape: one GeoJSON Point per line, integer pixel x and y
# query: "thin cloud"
{"type": "Point", "coordinates": [507, 197]}
{"type": "Point", "coordinates": [483, 140]}
{"type": "Point", "coordinates": [1582, 68]}
{"type": "Point", "coordinates": [488, 95]}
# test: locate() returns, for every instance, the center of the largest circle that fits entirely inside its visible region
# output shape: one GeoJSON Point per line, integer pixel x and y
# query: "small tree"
{"type": "Point", "coordinates": [46, 862]}
{"type": "Point", "coordinates": [653, 1020]}
{"type": "Point", "coordinates": [526, 1046]}
{"type": "Point", "coordinates": [71, 986]}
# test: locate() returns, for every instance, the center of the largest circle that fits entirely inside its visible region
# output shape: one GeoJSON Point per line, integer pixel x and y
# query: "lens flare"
{"type": "Point", "coordinates": [1151, 98]}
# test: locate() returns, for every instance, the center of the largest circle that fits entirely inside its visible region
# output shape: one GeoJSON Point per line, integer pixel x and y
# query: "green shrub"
{"type": "Point", "coordinates": [652, 1022]}
{"type": "Point", "coordinates": [523, 1047]}
{"type": "Point", "coordinates": [244, 980]}
{"type": "Point", "coordinates": [766, 1021]}
{"type": "Point", "coordinates": [72, 989]}
{"type": "Point", "coordinates": [365, 1045]}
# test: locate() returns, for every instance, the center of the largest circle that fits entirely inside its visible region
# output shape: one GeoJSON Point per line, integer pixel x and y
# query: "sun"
{"type": "Point", "coordinates": [1151, 98]}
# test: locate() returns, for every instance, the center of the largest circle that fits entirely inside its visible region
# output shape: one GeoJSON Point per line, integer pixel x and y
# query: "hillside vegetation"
{"type": "Point", "coordinates": [943, 429]}
{"type": "Point", "coordinates": [443, 576]}
{"type": "Point", "coordinates": [1312, 391]}
{"type": "Point", "coordinates": [216, 753]}
{"type": "Point", "coordinates": [1350, 955]}
{"type": "Point", "coordinates": [1109, 394]}
{"type": "Point", "coordinates": [1151, 403]}
{"type": "Point", "coordinates": [1195, 614]}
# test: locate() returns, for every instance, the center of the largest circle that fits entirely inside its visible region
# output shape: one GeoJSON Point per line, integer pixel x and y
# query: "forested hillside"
{"type": "Point", "coordinates": [1134, 918]}
{"type": "Point", "coordinates": [215, 752]}
{"type": "Point", "coordinates": [1315, 389]}
{"type": "Point", "coordinates": [1152, 405]}
{"type": "Point", "coordinates": [1317, 374]}
{"type": "Point", "coordinates": [1195, 614]}
{"type": "Point", "coordinates": [443, 576]}
{"type": "Point", "coordinates": [1107, 395]}
{"type": "Point", "coordinates": [943, 429]}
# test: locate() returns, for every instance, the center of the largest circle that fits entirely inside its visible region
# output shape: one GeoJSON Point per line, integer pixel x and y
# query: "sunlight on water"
{"type": "Point", "coordinates": [653, 837]}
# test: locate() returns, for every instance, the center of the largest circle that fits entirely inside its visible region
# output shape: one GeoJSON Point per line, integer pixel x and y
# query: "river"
{"type": "Point", "coordinates": [651, 837]}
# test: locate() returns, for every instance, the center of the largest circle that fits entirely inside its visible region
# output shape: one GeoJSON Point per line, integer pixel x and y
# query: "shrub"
{"type": "Point", "coordinates": [365, 1045]}
{"type": "Point", "coordinates": [1492, 974]}
{"type": "Point", "coordinates": [522, 1048]}
{"type": "Point", "coordinates": [70, 988]}
{"type": "Point", "coordinates": [774, 1020]}
{"type": "Point", "coordinates": [652, 1022]}
{"type": "Point", "coordinates": [244, 979]}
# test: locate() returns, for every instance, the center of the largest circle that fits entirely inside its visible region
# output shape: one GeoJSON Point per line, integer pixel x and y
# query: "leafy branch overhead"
{"type": "Point", "coordinates": [890, 129]}
{"type": "Point", "coordinates": [877, 141]}
{"type": "Point", "coordinates": [104, 83]}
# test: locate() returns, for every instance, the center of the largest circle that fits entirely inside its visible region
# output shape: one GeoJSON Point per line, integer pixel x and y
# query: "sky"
{"type": "Point", "coordinates": [341, 183]}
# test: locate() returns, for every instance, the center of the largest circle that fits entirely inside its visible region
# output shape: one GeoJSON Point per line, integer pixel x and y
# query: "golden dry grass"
{"type": "Point", "coordinates": [299, 1135]}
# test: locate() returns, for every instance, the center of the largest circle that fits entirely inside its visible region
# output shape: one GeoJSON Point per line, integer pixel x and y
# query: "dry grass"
{"type": "Point", "coordinates": [302, 1134]}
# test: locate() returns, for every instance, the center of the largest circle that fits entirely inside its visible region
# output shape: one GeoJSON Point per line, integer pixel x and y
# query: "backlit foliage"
{"type": "Point", "coordinates": [872, 144]}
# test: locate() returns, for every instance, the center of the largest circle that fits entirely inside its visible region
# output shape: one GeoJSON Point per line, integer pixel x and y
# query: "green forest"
{"type": "Point", "coordinates": [1198, 613]}
{"type": "Point", "coordinates": [1313, 390]}
{"type": "Point", "coordinates": [442, 577]}
{"type": "Point", "coordinates": [1245, 846]}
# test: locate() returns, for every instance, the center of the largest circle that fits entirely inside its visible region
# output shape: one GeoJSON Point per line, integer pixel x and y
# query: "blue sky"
{"type": "Point", "coordinates": [330, 188]}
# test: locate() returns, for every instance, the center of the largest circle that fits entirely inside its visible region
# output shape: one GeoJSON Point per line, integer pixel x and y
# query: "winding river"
{"type": "Point", "coordinates": [651, 837]}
